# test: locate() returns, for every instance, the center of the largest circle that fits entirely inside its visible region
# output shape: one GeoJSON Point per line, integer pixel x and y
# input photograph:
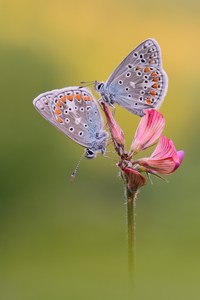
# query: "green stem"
{"type": "Point", "coordinates": [131, 226]}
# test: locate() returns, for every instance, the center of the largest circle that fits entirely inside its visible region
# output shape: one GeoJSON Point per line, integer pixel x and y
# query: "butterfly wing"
{"type": "Point", "coordinates": [139, 82]}
{"type": "Point", "coordinates": [74, 111]}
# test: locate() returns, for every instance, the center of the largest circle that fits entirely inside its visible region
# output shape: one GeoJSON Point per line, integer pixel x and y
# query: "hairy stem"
{"type": "Point", "coordinates": [131, 226]}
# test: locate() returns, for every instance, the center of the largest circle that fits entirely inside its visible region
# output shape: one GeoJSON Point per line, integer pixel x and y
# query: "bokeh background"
{"type": "Point", "coordinates": [63, 240]}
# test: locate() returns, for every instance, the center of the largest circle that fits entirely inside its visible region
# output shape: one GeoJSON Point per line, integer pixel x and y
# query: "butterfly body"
{"type": "Point", "coordinates": [74, 111]}
{"type": "Point", "coordinates": [139, 82]}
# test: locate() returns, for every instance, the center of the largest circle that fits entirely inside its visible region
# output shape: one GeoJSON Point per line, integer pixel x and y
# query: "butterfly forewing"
{"type": "Point", "coordinates": [147, 53]}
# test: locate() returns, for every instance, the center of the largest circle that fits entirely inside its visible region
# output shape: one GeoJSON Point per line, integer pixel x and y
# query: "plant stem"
{"type": "Point", "coordinates": [131, 226]}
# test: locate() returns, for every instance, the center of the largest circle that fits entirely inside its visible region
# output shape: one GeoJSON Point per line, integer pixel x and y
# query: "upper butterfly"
{"type": "Point", "coordinates": [75, 112]}
{"type": "Point", "coordinates": [139, 82]}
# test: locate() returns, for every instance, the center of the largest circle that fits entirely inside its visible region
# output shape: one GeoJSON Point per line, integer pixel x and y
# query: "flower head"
{"type": "Point", "coordinates": [165, 159]}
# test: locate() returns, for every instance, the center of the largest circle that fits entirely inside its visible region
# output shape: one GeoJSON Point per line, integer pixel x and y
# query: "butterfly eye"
{"type": "Point", "coordinates": [90, 153]}
{"type": "Point", "coordinates": [99, 86]}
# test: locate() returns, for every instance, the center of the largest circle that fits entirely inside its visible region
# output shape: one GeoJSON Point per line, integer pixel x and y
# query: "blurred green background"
{"type": "Point", "coordinates": [63, 240]}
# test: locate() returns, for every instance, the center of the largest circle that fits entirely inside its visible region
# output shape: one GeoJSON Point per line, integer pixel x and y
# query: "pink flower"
{"type": "Point", "coordinates": [164, 160]}
{"type": "Point", "coordinates": [148, 131]}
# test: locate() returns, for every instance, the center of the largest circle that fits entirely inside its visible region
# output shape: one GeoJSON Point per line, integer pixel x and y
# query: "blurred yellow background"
{"type": "Point", "coordinates": [62, 240]}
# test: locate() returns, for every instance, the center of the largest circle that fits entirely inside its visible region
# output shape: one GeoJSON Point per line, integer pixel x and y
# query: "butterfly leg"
{"type": "Point", "coordinates": [113, 109]}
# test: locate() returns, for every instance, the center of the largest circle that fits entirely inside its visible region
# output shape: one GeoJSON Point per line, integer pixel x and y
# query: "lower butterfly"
{"type": "Point", "coordinates": [74, 111]}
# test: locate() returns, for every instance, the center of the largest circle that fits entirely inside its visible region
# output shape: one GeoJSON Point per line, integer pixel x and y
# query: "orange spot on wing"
{"type": "Point", "coordinates": [57, 111]}
{"type": "Point", "coordinates": [78, 96]}
{"type": "Point", "coordinates": [69, 97]}
{"type": "Point", "coordinates": [146, 70]}
{"type": "Point", "coordinates": [59, 120]}
{"type": "Point", "coordinates": [153, 74]}
{"type": "Point", "coordinates": [148, 101]}
{"type": "Point", "coordinates": [155, 85]}
{"type": "Point", "coordinates": [58, 104]}
{"type": "Point", "coordinates": [63, 99]}
{"type": "Point", "coordinates": [87, 98]}
{"type": "Point", "coordinates": [138, 68]}
{"type": "Point", "coordinates": [153, 93]}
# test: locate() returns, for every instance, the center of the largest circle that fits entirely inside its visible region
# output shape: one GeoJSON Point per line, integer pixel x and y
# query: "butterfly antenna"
{"type": "Point", "coordinates": [72, 177]}
{"type": "Point", "coordinates": [86, 83]}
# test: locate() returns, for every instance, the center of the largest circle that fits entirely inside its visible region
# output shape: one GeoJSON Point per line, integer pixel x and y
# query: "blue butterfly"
{"type": "Point", "coordinates": [139, 82]}
{"type": "Point", "coordinates": [75, 112]}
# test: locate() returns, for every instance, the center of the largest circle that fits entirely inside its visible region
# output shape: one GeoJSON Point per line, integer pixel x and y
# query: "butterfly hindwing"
{"type": "Point", "coordinates": [75, 112]}
{"type": "Point", "coordinates": [139, 88]}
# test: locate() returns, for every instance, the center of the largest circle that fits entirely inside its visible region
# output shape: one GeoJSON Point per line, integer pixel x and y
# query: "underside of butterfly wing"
{"type": "Point", "coordinates": [75, 112]}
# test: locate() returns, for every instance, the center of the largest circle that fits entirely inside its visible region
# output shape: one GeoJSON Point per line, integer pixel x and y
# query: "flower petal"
{"type": "Point", "coordinates": [164, 160]}
{"type": "Point", "coordinates": [149, 130]}
{"type": "Point", "coordinates": [115, 130]}
{"type": "Point", "coordinates": [134, 178]}
{"type": "Point", "coordinates": [180, 154]}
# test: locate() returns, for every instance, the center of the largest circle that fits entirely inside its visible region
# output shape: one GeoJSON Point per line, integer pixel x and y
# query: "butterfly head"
{"type": "Point", "coordinates": [99, 86]}
{"type": "Point", "coordinates": [98, 146]}
{"type": "Point", "coordinates": [90, 153]}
